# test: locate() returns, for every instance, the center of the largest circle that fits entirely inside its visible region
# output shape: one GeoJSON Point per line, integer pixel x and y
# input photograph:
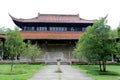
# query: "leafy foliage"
{"type": "Point", "coordinates": [118, 31]}
{"type": "Point", "coordinates": [3, 30]}
{"type": "Point", "coordinates": [118, 44]}
{"type": "Point", "coordinates": [31, 51]}
{"type": "Point", "coordinates": [14, 43]}
{"type": "Point", "coordinates": [96, 44]}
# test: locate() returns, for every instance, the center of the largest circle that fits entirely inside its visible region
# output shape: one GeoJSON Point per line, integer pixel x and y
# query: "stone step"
{"type": "Point", "coordinates": [55, 63]}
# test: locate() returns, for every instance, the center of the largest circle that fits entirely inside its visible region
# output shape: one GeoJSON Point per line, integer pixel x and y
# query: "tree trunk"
{"type": "Point", "coordinates": [12, 62]}
{"type": "Point", "coordinates": [32, 59]}
{"type": "Point", "coordinates": [12, 65]}
{"type": "Point", "coordinates": [104, 66]}
{"type": "Point", "coordinates": [100, 65]}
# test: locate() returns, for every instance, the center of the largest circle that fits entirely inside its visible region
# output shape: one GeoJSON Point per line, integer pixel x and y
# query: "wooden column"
{"type": "Point", "coordinates": [3, 45]}
{"type": "Point", "coordinates": [112, 56]}
{"type": "Point", "coordinates": [46, 51]}
{"type": "Point", "coordinates": [69, 45]}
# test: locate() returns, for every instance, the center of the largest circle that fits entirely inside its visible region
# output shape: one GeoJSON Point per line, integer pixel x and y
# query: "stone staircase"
{"type": "Point", "coordinates": [55, 63]}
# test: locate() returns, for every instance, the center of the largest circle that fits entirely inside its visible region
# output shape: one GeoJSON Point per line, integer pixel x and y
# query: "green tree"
{"type": "Point", "coordinates": [118, 44]}
{"type": "Point", "coordinates": [118, 51]}
{"type": "Point", "coordinates": [96, 44]}
{"type": "Point", "coordinates": [3, 30]}
{"type": "Point", "coordinates": [118, 31]}
{"type": "Point", "coordinates": [31, 51]}
{"type": "Point", "coordinates": [14, 43]}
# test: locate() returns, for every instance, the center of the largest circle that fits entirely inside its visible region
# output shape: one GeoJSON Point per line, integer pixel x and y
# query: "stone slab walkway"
{"type": "Point", "coordinates": [68, 73]}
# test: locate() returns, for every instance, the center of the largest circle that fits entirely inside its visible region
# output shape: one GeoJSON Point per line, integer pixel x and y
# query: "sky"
{"type": "Point", "coordinates": [87, 9]}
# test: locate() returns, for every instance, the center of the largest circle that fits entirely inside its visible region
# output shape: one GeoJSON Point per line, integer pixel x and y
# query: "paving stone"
{"type": "Point", "coordinates": [68, 73]}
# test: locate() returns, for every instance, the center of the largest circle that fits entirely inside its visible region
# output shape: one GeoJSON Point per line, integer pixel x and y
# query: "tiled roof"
{"type": "Point", "coordinates": [50, 35]}
{"type": "Point", "coordinates": [54, 18]}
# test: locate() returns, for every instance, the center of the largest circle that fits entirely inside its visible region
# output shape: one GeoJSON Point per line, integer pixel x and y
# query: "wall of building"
{"type": "Point", "coordinates": [53, 50]}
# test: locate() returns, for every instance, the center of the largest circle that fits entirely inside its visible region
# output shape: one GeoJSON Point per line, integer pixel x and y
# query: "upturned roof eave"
{"type": "Point", "coordinates": [33, 20]}
{"type": "Point", "coordinates": [20, 21]}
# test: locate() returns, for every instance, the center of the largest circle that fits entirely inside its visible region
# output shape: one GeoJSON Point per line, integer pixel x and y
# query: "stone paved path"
{"type": "Point", "coordinates": [68, 73]}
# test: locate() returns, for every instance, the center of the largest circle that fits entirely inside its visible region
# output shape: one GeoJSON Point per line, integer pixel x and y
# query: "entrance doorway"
{"type": "Point", "coordinates": [57, 51]}
{"type": "Point", "coordinates": [53, 56]}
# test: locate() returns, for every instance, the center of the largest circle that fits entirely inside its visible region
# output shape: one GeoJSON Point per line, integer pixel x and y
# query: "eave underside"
{"type": "Point", "coordinates": [47, 24]}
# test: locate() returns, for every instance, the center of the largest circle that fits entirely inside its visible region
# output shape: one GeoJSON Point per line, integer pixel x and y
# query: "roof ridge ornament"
{"type": "Point", "coordinates": [9, 14]}
{"type": "Point", "coordinates": [78, 15]}
{"type": "Point", "coordinates": [38, 14]}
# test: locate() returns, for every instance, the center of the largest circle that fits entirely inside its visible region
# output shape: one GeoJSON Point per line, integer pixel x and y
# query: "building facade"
{"type": "Point", "coordinates": [56, 34]}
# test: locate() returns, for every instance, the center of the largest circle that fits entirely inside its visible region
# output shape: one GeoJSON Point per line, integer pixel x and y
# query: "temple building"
{"type": "Point", "coordinates": [56, 34]}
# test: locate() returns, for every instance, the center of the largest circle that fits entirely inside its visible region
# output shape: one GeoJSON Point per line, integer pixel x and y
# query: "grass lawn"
{"type": "Point", "coordinates": [20, 71]}
{"type": "Point", "coordinates": [113, 72]}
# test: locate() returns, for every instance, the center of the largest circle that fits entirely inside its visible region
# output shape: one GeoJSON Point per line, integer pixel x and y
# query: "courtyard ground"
{"type": "Point", "coordinates": [112, 73]}
{"type": "Point", "coordinates": [68, 73]}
